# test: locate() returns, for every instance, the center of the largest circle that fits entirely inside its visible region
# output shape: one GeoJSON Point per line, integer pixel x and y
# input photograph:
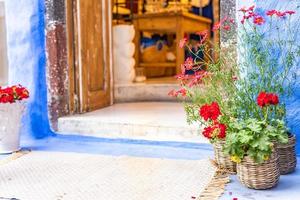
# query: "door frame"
{"type": "Point", "coordinates": [76, 104]}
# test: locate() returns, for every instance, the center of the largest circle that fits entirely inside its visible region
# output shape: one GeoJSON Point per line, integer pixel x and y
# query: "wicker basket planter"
{"type": "Point", "coordinates": [287, 156]}
{"type": "Point", "coordinates": [222, 159]}
{"type": "Point", "coordinates": [259, 176]}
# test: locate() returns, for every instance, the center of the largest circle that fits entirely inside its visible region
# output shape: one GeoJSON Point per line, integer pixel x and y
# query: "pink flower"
{"type": "Point", "coordinates": [183, 42]}
{"type": "Point", "coordinates": [172, 93]}
{"type": "Point", "coordinates": [181, 92]}
{"type": "Point", "coordinates": [290, 12]}
{"type": "Point", "coordinates": [189, 63]}
{"type": "Point", "coordinates": [182, 69]}
{"type": "Point", "coordinates": [258, 20]}
{"type": "Point", "coordinates": [280, 14]}
{"type": "Point", "coordinates": [251, 8]}
{"type": "Point", "coordinates": [203, 35]}
{"type": "Point", "coordinates": [243, 9]}
{"type": "Point", "coordinates": [226, 28]}
{"type": "Point", "coordinates": [216, 26]}
{"type": "Point", "coordinates": [234, 78]}
{"type": "Point", "coordinates": [271, 12]}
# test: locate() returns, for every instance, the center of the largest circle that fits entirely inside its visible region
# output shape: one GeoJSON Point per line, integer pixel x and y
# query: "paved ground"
{"type": "Point", "coordinates": [288, 188]}
{"type": "Point", "coordinates": [44, 175]}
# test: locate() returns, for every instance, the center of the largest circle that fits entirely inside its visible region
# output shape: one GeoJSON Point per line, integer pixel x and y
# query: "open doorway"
{"type": "Point", "coordinates": [128, 50]}
{"type": "Point", "coordinates": [105, 72]}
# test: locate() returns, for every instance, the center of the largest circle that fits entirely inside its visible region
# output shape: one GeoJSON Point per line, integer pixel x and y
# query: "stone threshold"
{"type": "Point", "coordinates": [150, 90]}
{"type": "Point", "coordinates": [157, 121]}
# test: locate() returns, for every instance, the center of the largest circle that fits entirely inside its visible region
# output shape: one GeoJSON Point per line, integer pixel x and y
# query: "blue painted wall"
{"type": "Point", "coordinates": [27, 60]}
{"type": "Point", "coordinates": [293, 103]}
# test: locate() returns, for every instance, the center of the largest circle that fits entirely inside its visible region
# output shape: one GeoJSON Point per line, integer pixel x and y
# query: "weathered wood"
{"type": "Point", "coordinates": [91, 53]}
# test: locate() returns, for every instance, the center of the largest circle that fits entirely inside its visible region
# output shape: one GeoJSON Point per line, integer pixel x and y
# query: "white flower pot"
{"type": "Point", "coordinates": [10, 124]}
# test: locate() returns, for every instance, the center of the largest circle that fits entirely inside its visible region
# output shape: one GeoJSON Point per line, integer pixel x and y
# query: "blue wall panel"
{"type": "Point", "coordinates": [27, 60]}
{"type": "Point", "coordinates": [293, 103]}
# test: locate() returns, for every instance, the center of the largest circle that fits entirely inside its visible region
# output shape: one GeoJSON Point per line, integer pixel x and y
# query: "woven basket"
{"type": "Point", "coordinates": [221, 158]}
{"type": "Point", "coordinates": [259, 176]}
{"type": "Point", "coordinates": [287, 155]}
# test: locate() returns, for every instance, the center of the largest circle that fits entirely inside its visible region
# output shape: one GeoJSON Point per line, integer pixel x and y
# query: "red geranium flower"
{"type": "Point", "coordinates": [265, 99]}
{"type": "Point", "coordinates": [273, 99]}
{"type": "Point", "coordinates": [207, 132]}
{"type": "Point", "coordinates": [210, 111]}
{"type": "Point", "coordinates": [222, 130]}
{"type": "Point", "coordinates": [262, 99]}
{"type": "Point", "coordinates": [13, 94]}
{"type": "Point", "coordinates": [218, 130]}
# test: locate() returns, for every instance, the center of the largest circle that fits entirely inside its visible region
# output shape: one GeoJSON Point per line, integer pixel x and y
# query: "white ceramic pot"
{"type": "Point", "coordinates": [10, 124]}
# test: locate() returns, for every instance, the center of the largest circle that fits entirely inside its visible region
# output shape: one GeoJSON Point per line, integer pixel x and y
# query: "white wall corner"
{"type": "Point", "coordinates": [3, 47]}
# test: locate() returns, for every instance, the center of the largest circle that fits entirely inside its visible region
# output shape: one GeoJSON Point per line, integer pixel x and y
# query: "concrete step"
{"type": "Point", "coordinates": [159, 121]}
{"type": "Point", "coordinates": [150, 90]}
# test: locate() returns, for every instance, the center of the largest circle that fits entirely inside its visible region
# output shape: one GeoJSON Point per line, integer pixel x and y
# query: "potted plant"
{"type": "Point", "coordinates": [11, 112]}
{"type": "Point", "coordinates": [208, 89]}
{"type": "Point", "coordinates": [250, 144]}
{"type": "Point", "coordinates": [268, 65]}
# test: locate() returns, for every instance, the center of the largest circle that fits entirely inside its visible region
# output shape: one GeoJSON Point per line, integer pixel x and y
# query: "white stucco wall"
{"type": "Point", "coordinates": [3, 47]}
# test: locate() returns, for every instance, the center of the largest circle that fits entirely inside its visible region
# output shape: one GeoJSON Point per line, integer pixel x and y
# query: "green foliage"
{"type": "Point", "coordinates": [265, 65]}
{"type": "Point", "coordinates": [254, 138]}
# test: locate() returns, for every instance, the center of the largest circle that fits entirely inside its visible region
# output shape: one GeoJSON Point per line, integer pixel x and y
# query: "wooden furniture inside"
{"type": "Point", "coordinates": [179, 23]}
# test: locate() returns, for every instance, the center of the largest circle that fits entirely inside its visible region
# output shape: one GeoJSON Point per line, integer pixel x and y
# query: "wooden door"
{"type": "Point", "coordinates": [91, 53]}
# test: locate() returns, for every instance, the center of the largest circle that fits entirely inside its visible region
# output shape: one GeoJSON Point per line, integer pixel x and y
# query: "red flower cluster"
{"type": "Point", "coordinates": [249, 13]}
{"type": "Point", "coordinates": [224, 24]}
{"type": "Point", "coordinates": [265, 99]}
{"type": "Point", "coordinates": [210, 111]}
{"type": "Point", "coordinates": [13, 94]}
{"type": "Point", "coordinates": [217, 130]}
{"type": "Point", "coordinates": [259, 20]}
{"type": "Point", "coordinates": [279, 14]}
{"type": "Point", "coordinates": [189, 63]}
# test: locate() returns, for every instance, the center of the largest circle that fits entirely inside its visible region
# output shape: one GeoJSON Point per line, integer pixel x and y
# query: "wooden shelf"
{"type": "Point", "coordinates": [158, 65]}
